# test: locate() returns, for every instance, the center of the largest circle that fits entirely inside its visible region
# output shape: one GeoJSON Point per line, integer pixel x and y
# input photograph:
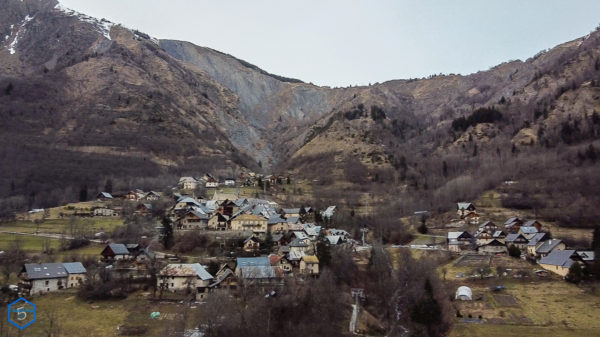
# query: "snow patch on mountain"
{"type": "Point", "coordinates": [103, 26]}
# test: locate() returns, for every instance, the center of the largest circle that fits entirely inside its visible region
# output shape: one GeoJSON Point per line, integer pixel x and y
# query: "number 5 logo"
{"type": "Point", "coordinates": [21, 314]}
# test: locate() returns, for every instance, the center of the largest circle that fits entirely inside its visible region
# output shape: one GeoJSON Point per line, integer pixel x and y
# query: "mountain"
{"type": "Point", "coordinates": [84, 100]}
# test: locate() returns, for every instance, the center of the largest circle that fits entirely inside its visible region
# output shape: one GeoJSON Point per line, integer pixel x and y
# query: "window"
{"type": "Point", "coordinates": [47, 282]}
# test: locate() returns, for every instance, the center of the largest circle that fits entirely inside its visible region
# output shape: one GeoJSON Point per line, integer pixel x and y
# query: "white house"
{"type": "Point", "coordinates": [179, 277]}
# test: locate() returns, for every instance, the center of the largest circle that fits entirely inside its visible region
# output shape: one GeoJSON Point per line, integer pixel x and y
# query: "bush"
{"type": "Point", "coordinates": [481, 115]}
{"type": "Point", "coordinates": [514, 251]}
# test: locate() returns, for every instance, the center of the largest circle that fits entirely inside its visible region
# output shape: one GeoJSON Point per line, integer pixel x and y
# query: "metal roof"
{"type": "Point", "coordinates": [528, 230]}
{"type": "Point", "coordinates": [74, 268]}
{"type": "Point", "coordinates": [548, 246]}
{"type": "Point", "coordinates": [536, 238]}
{"type": "Point", "coordinates": [464, 205]}
{"type": "Point", "coordinates": [561, 258]}
{"type": "Point", "coordinates": [257, 272]}
{"type": "Point", "coordinates": [291, 210]}
{"type": "Point", "coordinates": [37, 271]}
{"type": "Point", "coordinates": [186, 269]}
{"type": "Point", "coordinates": [119, 249]}
{"type": "Point", "coordinates": [253, 261]}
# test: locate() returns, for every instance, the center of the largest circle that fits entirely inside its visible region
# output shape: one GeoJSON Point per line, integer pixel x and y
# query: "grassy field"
{"type": "Point", "coordinates": [527, 307]}
{"type": "Point", "coordinates": [75, 317]}
{"type": "Point", "coordinates": [57, 226]}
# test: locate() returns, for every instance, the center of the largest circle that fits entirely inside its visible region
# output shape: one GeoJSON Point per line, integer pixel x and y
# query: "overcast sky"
{"type": "Point", "coordinates": [341, 43]}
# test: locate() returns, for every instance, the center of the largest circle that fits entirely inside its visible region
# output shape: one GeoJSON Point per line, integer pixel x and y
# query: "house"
{"type": "Point", "coordinates": [145, 255]}
{"type": "Point", "coordinates": [256, 270]}
{"type": "Point", "coordinates": [181, 277]}
{"type": "Point", "coordinates": [587, 256]}
{"type": "Point", "coordinates": [192, 220]}
{"type": "Point", "coordinates": [533, 223]}
{"type": "Point", "coordinates": [277, 224]}
{"type": "Point", "coordinates": [291, 212]}
{"type": "Point", "coordinates": [517, 240]}
{"type": "Point", "coordinates": [228, 207]}
{"type": "Point", "coordinates": [249, 222]}
{"type": "Point", "coordinates": [188, 183]}
{"type": "Point", "coordinates": [549, 246]}
{"type": "Point", "coordinates": [224, 279]}
{"type": "Point", "coordinates": [104, 196]}
{"type": "Point", "coordinates": [279, 239]}
{"type": "Point", "coordinates": [492, 247]}
{"type": "Point", "coordinates": [535, 242]}
{"type": "Point", "coordinates": [295, 257]}
{"type": "Point", "coordinates": [251, 244]}
{"type": "Point", "coordinates": [218, 222]}
{"type": "Point", "coordinates": [464, 293]}
{"type": "Point", "coordinates": [104, 211]}
{"type": "Point", "coordinates": [229, 182]}
{"type": "Point", "coordinates": [334, 239]}
{"type": "Point", "coordinates": [211, 183]}
{"type": "Point", "coordinates": [116, 251]}
{"type": "Point", "coordinates": [559, 261]}
{"type": "Point", "coordinates": [471, 218]}
{"type": "Point", "coordinates": [144, 209]}
{"type": "Point", "coordinates": [513, 224]}
{"type": "Point", "coordinates": [328, 213]}
{"type": "Point", "coordinates": [152, 196]}
{"type": "Point", "coordinates": [131, 195]}
{"type": "Point", "coordinates": [185, 203]}
{"type": "Point", "coordinates": [500, 236]}
{"type": "Point", "coordinates": [298, 245]}
{"type": "Point", "coordinates": [309, 265]}
{"type": "Point", "coordinates": [46, 277]}
{"type": "Point", "coordinates": [458, 240]}
{"type": "Point", "coordinates": [528, 231]}
{"type": "Point", "coordinates": [463, 208]}
{"type": "Point", "coordinates": [76, 274]}
{"type": "Point", "coordinates": [281, 262]}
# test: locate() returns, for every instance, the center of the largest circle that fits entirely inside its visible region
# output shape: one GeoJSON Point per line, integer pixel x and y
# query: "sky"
{"type": "Point", "coordinates": [342, 43]}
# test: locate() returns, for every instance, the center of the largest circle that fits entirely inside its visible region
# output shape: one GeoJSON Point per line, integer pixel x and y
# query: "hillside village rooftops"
{"type": "Point", "coordinates": [118, 248]}
{"type": "Point", "coordinates": [515, 237]}
{"type": "Point", "coordinates": [275, 219]}
{"type": "Point", "coordinates": [528, 230]}
{"type": "Point", "coordinates": [291, 210]}
{"type": "Point", "coordinates": [310, 259]}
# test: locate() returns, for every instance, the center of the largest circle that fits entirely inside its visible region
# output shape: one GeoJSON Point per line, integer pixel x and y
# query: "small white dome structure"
{"type": "Point", "coordinates": [464, 293]}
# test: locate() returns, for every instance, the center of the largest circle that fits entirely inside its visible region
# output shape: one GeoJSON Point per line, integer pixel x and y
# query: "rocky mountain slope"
{"type": "Point", "coordinates": [84, 99]}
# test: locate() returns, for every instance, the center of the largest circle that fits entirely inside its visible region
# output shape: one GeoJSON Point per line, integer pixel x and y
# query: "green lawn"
{"type": "Point", "coordinates": [30, 244]}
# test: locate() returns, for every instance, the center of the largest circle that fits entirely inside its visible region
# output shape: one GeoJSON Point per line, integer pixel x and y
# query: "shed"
{"type": "Point", "coordinates": [464, 293]}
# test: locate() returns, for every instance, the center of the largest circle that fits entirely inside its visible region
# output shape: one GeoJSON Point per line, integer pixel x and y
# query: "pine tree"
{"type": "Point", "coordinates": [167, 235]}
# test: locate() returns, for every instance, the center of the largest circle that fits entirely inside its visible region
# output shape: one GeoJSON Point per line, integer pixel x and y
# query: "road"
{"type": "Point", "coordinates": [50, 236]}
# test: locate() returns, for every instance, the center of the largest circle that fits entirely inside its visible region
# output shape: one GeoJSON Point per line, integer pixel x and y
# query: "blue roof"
{"type": "Point", "coordinates": [119, 249]}
{"type": "Point", "coordinates": [253, 261]}
{"type": "Point", "coordinates": [74, 267]}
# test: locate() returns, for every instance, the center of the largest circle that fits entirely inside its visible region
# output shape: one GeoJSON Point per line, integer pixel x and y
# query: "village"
{"type": "Point", "coordinates": [203, 239]}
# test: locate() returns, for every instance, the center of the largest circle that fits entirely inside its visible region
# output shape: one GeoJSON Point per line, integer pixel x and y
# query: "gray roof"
{"type": "Point", "coordinates": [298, 243]}
{"type": "Point", "coordinates": [105, 195]}
{"type": "Point", "coordinates": [334, 239]}
{"type": "Point", "coordinates": [528, 230]}
{"type": "Point", "coordinates": [74, 268]}
{"type": "Point", "coordinates": [548, 246]}
{"type": "Point", "coordinates": [291, 210]}
{"type": "Point", "coordinates": [587, 255]}
{"type": "Point", "coordinates": [37, 271]}
{"type": "Point", "coordinates": [186, 269]}
{"type": "Point", "coordinates": [560, 258]}
{"type": "Point", "coordinates": [530, 223]}
{"type": "Point", "coordinates": [257, 272]}
{"type": "Point", "coordinates": [514, 237]}
{"type": "Point", "coordinates": [253, 261]}
{"type": "Point", "coordinates": [119, 249]}
{"type": "Point", "coordinates": [293, 219]}
{"type": "Point", "coordinates": [275, 219]}
{"type": "Point", "coordinates": [464, 205]}
{"type": "Point", "coordinates": [511, 220]}
{"type": "Point", "coordinates": [498, 234]}
{"type": "Point", "coordinates": [536, 238]}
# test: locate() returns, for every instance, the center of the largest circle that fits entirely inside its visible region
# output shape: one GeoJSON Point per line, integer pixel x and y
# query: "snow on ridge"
{"type": "Point", "coordinates": [15, 41]}
{"type": "Point", "coordinates": [103, 26]}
